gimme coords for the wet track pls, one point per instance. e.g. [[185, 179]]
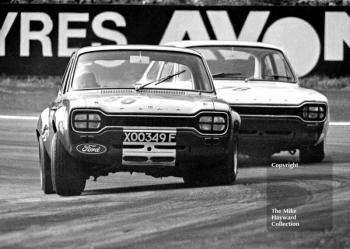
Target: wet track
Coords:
[[137, 211]]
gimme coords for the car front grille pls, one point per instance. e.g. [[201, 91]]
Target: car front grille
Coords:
[[262, 110], [276, 111], [145, 120], [150, 121]]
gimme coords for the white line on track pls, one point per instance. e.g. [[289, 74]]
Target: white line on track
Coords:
[[339, 123], [18, 117], [13, 117]]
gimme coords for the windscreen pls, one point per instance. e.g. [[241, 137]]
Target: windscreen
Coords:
[[247, 63], [141, 69]]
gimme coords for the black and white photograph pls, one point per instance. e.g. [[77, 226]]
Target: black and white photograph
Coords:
[[177, 124]]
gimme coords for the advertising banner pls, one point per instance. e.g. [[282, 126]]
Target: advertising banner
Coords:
[[38, 39]]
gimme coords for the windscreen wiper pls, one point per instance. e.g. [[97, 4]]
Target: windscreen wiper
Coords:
[[276, 76], [159, 81], [226, 75]]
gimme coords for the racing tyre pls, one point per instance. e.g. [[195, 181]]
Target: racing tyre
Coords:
[[223, 174], [191, 179], [67, 176], [312, 153], [45, 169], [227, 173]]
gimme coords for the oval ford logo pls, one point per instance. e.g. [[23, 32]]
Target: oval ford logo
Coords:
[[91, 148]]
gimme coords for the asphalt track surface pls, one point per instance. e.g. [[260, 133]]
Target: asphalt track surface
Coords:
[[138, 211]]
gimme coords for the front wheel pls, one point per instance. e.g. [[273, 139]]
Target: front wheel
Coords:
[[223, 174], [67, 176], [312, 153], [45, 169], [229, 170]]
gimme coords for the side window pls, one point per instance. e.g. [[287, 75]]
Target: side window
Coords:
[[281, 66], [267, 68], [66, 75]]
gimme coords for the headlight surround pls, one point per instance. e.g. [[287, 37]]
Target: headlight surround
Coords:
[[86, 121], [314, 112], [212, 123]]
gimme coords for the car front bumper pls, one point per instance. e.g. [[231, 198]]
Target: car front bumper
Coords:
[[272, 134], [191, 149]]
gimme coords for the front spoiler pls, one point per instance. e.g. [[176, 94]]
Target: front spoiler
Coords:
[[278, 134]]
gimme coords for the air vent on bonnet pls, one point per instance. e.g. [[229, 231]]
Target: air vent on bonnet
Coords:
[[114, 91], [151, 91], [240, 89], [170, 92]]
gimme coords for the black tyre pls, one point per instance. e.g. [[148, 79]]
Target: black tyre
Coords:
[[312, 154], [45, 169], [223, 174], [67, 176], [227, 173], [191, 178]]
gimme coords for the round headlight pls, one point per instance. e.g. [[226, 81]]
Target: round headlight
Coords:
[[86, 121], [313, 112], [212, 123]]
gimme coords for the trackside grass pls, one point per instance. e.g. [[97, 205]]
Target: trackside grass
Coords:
[[28, 82], [31, 94], [325, 83]]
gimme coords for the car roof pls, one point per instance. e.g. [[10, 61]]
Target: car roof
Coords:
[[136, 47], [192, 43]]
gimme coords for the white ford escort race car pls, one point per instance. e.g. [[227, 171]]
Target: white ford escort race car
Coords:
[[114, 114], [258, 82]]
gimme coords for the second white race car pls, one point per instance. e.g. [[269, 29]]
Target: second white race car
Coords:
[[258, 82]]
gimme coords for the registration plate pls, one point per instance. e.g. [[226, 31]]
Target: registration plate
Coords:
[[149, 137]]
